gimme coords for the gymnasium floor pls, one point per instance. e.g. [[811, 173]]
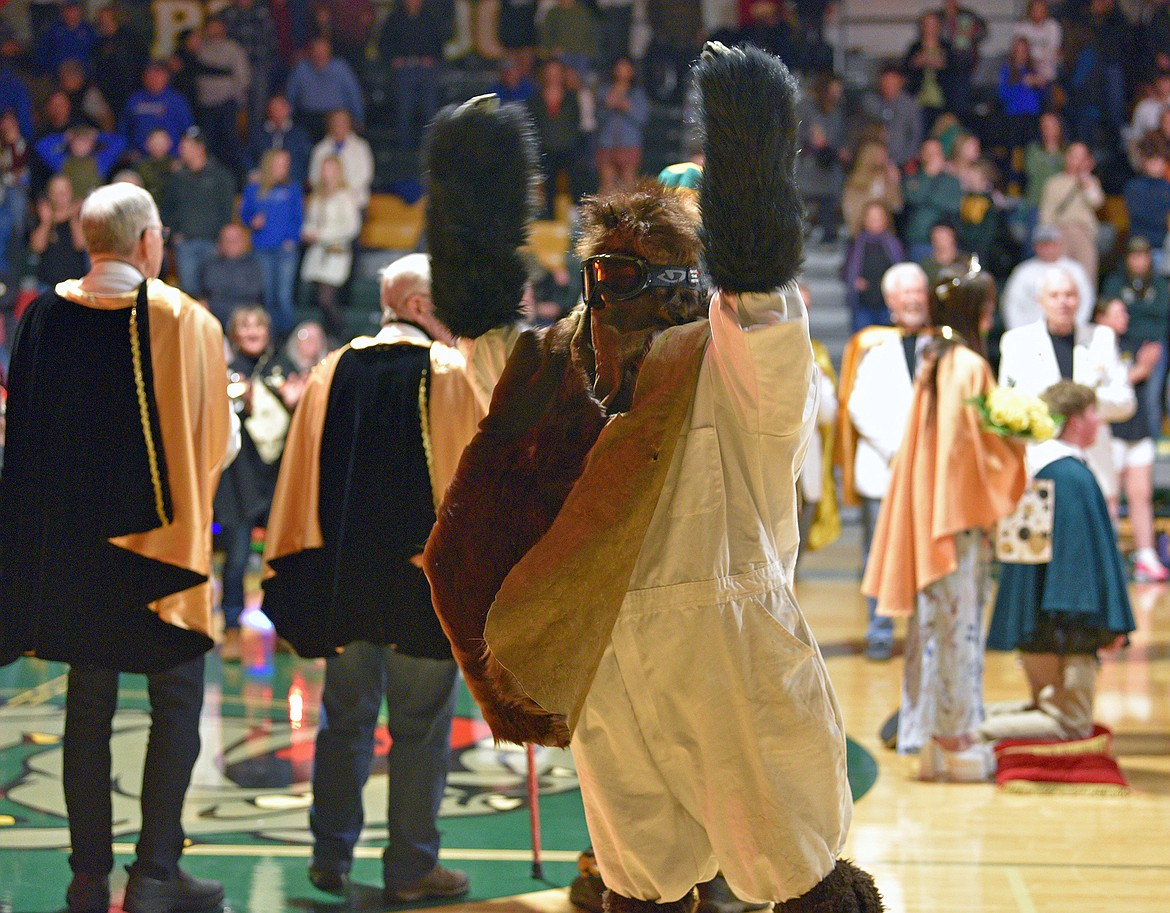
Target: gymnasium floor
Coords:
[[934, 848]]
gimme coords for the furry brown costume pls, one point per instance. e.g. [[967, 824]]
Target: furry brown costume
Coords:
[[532, 447]]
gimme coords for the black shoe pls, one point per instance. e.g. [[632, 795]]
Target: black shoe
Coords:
[[331, 881], [181, 893], [88, 893]]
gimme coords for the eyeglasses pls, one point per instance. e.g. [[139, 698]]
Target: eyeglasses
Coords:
[[619, 278], [163, 231]]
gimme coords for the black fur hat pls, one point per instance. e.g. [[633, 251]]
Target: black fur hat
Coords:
[[752, 214], [481, 164]]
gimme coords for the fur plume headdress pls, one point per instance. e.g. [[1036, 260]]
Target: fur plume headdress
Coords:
[[752, 214], [481, 163]]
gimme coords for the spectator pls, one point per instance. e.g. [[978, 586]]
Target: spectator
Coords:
[[58, 115], [273, 207], [1114, 40], [570, 33], [155, 105], [246, 486], [930, 194], [220, 91], [820, 168], [944, 250], [57, 240], [980, 218], [85, 97], [1043, 35], [1133, 439], [951, 482], [1042, 159], [279, 131], [556, 114], [896, 113], [877, 386], [1035, 356], [676, 27], [200, 200], [1147, 200], [1081, 90], [617, 16], [930, 69], [306, 348], [14, 93], [1070, 201], [870, 255], [1147, 113], [321, 83], [231, 278], [357, 159], [332, 222], [157, 166], [69, 38], [1060, 613], [1021, 294], [1021, 96], [1146, 296], [83, 154], [964, 30], [348, 24], [874, 178], [514, 86], [621, 120], [119, 58], [411, 46], [518, 26], [14, 177], [820, 521], [250, 25]]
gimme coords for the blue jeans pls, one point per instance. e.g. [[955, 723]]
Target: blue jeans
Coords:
[[279, 267], [416, 99], [879, 629], [420, 702], [190, 255], [237, 550]]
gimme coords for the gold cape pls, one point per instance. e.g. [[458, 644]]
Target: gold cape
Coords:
[[860, 343], [294, 523], [190, 389], [949, 476], [826, 524]]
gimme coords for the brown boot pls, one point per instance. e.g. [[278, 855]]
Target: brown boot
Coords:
[[846, 889]]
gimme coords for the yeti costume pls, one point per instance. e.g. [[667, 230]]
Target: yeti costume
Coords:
[[613, 561]]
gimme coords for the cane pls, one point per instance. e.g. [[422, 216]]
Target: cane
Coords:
[[534, 812]]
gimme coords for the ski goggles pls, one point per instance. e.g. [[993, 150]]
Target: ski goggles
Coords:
[[620, 278]]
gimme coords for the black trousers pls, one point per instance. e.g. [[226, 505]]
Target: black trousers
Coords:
[[176, 698]]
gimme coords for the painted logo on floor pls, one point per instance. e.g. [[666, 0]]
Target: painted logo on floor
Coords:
[[253, 776]]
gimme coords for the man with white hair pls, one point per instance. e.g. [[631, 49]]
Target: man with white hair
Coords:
[[1020, 301], [373, 444], [118, 428], [1059, 346], [875, 406]]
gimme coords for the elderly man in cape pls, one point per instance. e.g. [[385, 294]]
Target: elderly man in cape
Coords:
[[635, 596], [118, 428]]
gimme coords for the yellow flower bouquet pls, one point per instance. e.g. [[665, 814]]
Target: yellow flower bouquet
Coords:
[[1010, 412]]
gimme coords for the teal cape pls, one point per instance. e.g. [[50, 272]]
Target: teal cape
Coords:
[[1084, 585]]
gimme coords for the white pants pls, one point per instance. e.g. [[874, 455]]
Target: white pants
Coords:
[[711, 740]]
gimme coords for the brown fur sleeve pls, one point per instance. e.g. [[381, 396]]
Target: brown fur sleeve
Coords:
[[511, 482]]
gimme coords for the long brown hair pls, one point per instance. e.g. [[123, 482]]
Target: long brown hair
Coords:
[[959, 301]]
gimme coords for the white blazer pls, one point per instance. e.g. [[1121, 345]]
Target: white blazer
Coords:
[[1028, 361], [879, 407]]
